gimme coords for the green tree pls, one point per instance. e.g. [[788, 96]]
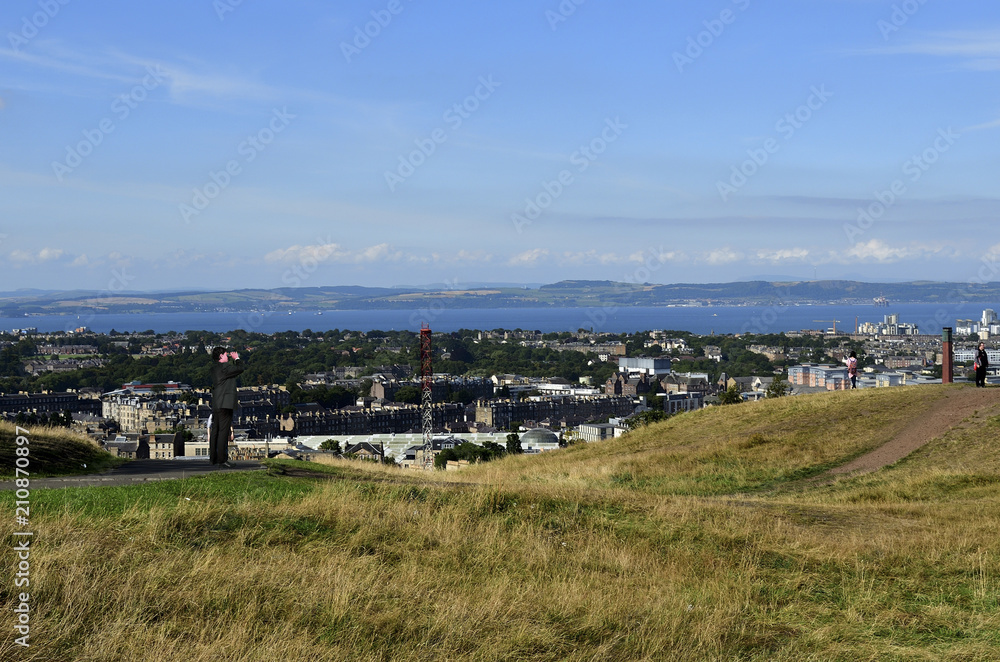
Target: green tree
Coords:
[[569, 438], [645, 418], [514, 444], [330, 445], [469, 452], [777, 388], [731, 396], [410, 394]]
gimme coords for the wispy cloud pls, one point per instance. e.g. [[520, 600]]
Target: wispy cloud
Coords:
[[994, 124], [74, 64], [878, 251], [977, 45], [529, 257], [19, 256], [784, 255], [333, 253], [185, 84], [723, 256]]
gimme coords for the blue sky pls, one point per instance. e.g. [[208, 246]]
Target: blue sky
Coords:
[[229, 144]]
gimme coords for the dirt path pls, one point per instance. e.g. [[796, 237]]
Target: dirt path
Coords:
[[948, 412]]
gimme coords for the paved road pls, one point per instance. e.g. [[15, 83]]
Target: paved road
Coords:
[[139, 471]]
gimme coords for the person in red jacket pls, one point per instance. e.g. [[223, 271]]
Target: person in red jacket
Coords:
[[225, 368]]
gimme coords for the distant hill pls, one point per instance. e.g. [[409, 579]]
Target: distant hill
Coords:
[[567, 293]]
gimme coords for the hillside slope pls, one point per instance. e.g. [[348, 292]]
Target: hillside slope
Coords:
[[760, 445], [701, 538]]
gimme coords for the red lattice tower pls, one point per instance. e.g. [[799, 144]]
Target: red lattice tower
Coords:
[[426, 384]]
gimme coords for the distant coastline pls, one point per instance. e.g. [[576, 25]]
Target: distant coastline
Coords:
[[565, 294], [929, 318]]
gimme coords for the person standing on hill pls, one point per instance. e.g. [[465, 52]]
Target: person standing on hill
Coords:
[[852, 369], [225, 367], [982, 362]]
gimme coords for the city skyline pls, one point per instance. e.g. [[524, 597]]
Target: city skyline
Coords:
[[221, 144]]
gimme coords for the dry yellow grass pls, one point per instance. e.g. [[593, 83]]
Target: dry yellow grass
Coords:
[[626, 550]]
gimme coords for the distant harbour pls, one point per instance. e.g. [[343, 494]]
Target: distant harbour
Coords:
[[704, 320]]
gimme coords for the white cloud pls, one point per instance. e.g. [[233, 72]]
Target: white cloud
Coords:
[[20, 256], [379, 253], [979, 50], [879, 251], [334, 253], [44, 255], [654, 255], [723, 256], [992, 124], [590, 257], [473, 256], [783, 254], [296, 253], [530, 257], [965, 43], [183, 85], [47, 254]]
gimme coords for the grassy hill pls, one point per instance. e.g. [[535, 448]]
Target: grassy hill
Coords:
[[52, 452], [701, 538]]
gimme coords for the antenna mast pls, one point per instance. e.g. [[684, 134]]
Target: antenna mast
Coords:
[[426, 383]]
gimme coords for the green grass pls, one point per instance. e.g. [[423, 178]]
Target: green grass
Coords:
[[224, 489], [676, 542]]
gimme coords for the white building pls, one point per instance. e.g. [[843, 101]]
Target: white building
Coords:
[[644, 366], [890, 326], [968, 354]]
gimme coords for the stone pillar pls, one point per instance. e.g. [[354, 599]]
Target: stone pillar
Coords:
[[947, 357]]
